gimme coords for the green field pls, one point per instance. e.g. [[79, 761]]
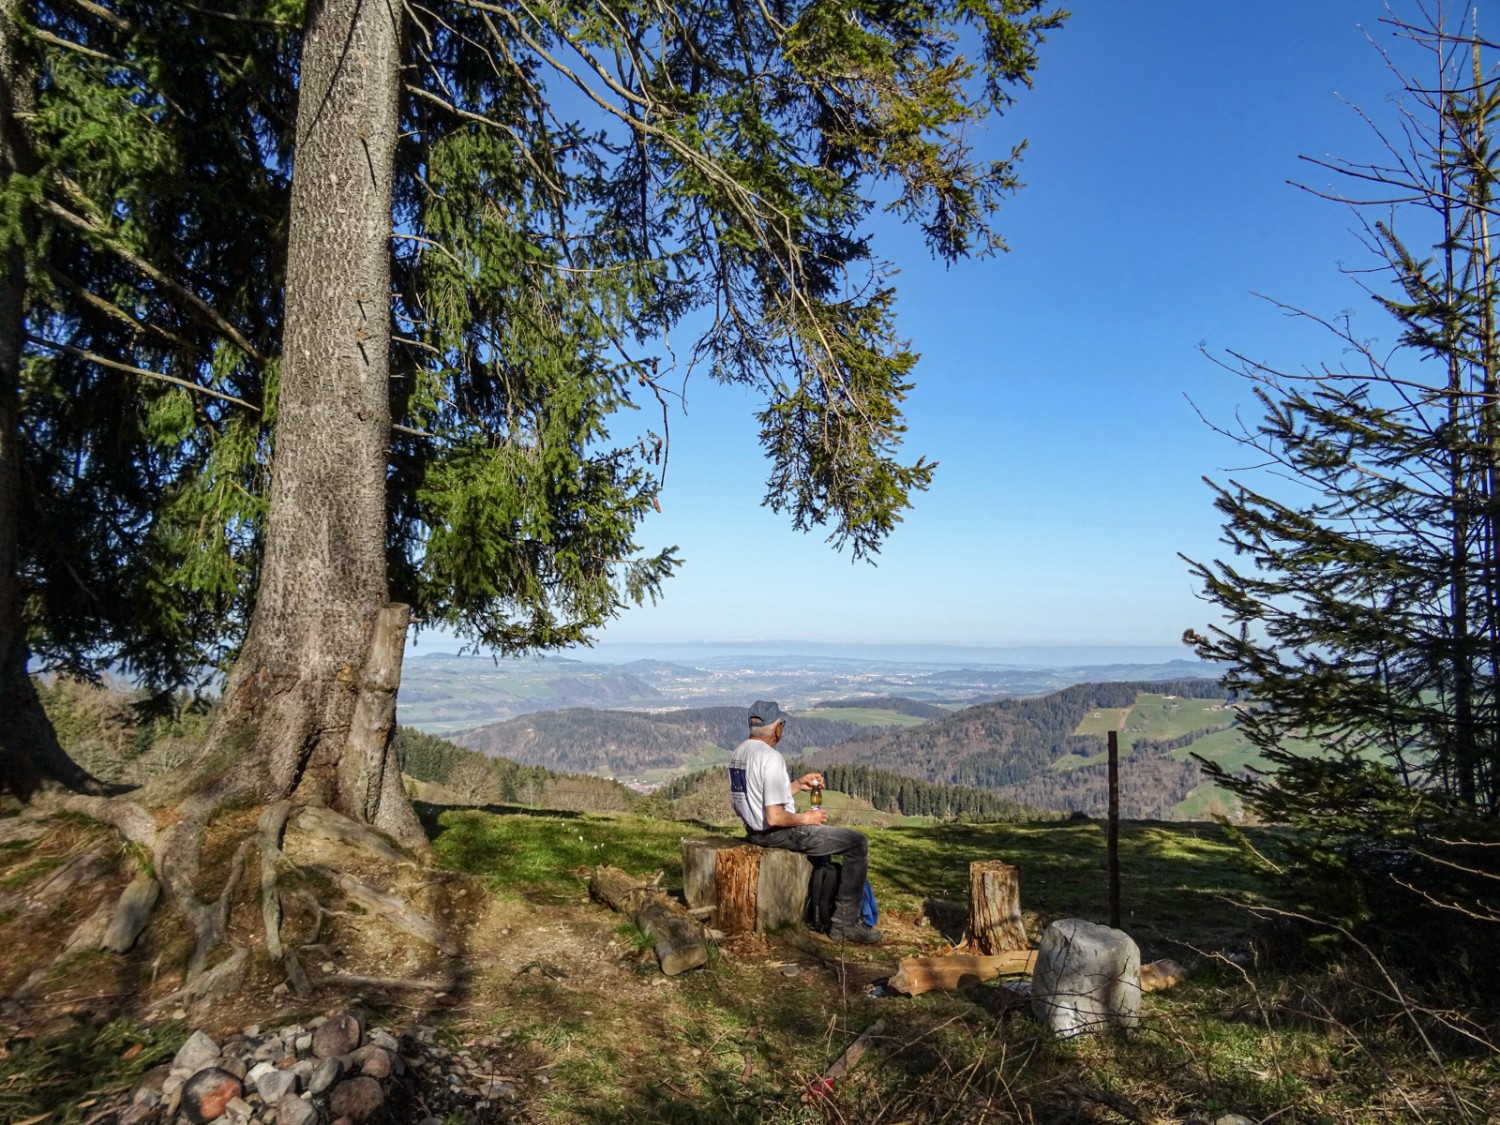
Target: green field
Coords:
[[1160, 717]]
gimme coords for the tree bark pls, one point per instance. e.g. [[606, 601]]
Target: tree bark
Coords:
[[293, 723], [31, 758], [736, 877], [994, 909]]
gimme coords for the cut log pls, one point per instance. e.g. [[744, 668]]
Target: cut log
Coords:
[[679, 946], [752, 888], [1161, 974], [957, 970], [994, 909]]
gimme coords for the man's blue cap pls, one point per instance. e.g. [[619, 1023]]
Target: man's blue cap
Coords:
[[763, 713]]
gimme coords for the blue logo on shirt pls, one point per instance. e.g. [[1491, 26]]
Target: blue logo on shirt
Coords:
[[736, 780]]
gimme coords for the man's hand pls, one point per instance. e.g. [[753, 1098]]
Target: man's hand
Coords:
[[778, 817], [806, 782]]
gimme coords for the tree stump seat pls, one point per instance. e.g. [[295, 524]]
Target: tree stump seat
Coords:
[[750, 888]]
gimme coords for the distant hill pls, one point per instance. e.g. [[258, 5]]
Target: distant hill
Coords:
[[442, 693], [1046, 752], [631, 744]]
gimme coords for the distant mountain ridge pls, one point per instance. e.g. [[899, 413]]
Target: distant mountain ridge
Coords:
[[442, 693]]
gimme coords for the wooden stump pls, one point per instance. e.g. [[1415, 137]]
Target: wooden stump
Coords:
[[736, 876], [994, 909], [752, 888]]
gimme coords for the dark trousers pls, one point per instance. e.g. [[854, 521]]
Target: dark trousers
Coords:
[[821, 840]]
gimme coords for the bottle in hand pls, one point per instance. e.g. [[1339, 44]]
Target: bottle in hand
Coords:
[[816, 797]]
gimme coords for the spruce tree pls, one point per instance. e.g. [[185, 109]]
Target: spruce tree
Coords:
[[1362, 599]]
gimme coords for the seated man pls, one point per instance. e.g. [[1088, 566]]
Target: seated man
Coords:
[[762, 792]]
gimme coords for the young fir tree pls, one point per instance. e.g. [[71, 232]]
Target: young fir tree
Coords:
[[1362, 602]]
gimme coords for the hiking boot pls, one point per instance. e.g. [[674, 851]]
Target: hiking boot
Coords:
[[858, 933]]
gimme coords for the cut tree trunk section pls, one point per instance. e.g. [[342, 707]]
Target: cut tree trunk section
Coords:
[[957, 970], [994, 909], [748, 888], [679, 946]]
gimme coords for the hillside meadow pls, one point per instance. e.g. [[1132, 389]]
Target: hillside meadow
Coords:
[[596, 1034]]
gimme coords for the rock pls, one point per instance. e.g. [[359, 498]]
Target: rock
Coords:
[[327, 1073], [273, 1048], [1233, 1119], [383, 1038], [292, 1110], [236, 1066], [208, 1093], [196, 1053], [372, 1061], [340, 1034], [1087, 978], [131, 914], [278, 1082], [148, 1087], [356, 1098]]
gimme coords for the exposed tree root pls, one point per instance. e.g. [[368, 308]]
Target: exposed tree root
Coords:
[[368, 912]]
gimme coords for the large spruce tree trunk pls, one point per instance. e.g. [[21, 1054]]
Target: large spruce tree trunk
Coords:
[[313, 648], [30, 757]]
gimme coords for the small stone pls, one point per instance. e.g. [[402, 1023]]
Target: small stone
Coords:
[[792, 971], [196, 1053], [273, 1085], [235, 1066], [292, 1110], [340, 1035], [207, 1093], [1232, 1119], [256, 1073], [327, 1073], [135, 1114], [383, 1038], [148, 1087], [239, 1107], [304, 1043], [250, 1032], [372, 1061], [271, 1049], [356, 1098]]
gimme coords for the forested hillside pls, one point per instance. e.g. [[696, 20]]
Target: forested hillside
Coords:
[[1030, 749], [630, 743]]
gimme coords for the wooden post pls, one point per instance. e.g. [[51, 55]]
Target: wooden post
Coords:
[[1112, 853], [994, 909], [736, 877]]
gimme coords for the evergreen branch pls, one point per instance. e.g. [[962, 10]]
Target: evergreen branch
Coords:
[[112, 20], [45, 36], [108, 308], [479, 118], [196, 304], [104, 361]]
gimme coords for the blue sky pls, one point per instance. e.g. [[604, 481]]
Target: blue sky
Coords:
[[1053, 379]]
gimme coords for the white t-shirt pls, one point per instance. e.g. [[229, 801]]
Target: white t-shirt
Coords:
[[757, 778]]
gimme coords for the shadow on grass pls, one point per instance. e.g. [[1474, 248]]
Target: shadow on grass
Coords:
[[1178, 882]]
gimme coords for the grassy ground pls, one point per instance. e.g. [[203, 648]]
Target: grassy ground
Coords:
[[740, 1040], [599, 1036]]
